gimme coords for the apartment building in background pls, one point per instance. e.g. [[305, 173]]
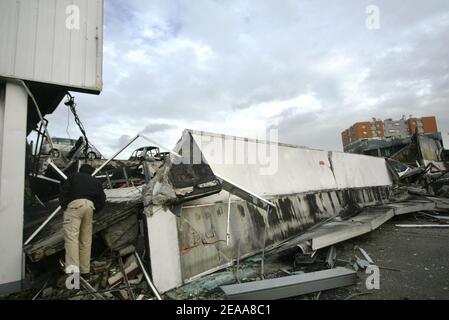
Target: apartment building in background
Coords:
[[384, 138]]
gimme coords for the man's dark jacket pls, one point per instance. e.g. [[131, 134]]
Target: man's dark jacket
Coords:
[[82, 186]]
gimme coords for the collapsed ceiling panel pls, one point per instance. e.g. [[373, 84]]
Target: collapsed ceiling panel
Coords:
[[301, 187]]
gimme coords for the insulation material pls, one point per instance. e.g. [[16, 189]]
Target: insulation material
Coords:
[[159, 190]]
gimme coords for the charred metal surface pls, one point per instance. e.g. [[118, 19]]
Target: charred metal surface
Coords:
[[191, 169], [421, 148], [182, 179], [294, 214], [186, 175], [198, 177]]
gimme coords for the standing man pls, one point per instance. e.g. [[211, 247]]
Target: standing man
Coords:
[[81, 195]]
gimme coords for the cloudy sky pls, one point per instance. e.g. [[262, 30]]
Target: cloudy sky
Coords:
[[309, 68]]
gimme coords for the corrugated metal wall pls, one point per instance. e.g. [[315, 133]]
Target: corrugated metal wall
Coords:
[[36, 43]]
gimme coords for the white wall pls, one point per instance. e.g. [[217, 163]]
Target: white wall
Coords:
[[164, 249], [299, 170], [12, 176], [356, 171], [296, 169], [35, 43]]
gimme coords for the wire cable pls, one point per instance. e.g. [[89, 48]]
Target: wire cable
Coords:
[[72, 106]]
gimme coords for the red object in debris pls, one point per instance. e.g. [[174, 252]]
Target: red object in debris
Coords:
[[185, 249]]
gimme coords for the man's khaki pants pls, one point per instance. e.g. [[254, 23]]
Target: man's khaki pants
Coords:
[[78, 235]]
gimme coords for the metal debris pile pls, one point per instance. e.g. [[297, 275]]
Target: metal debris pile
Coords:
[[277, 265], [118, 274]]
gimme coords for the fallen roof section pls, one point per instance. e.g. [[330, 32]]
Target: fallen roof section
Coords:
[[291, 286], [301, 187], [368, 220], [270, 168]]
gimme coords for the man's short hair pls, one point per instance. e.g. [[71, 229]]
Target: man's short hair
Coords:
[[86, 168]]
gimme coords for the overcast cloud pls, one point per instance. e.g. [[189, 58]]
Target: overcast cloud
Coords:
[[308, 68]]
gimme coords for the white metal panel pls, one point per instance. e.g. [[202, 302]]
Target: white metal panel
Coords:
[[62, 46], [36, 45], [94, 47], [297, 169], [8, 31], [12, 180], [45, 42], [26, 39], [77, 75], [358, 171], [164, 249]]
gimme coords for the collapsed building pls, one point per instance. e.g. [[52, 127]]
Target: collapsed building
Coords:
[[216, 200], [335, 195], [200, 208], [384, 138], [43, 57]]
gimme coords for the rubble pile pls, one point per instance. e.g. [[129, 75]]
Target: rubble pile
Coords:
[[172, 234]]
